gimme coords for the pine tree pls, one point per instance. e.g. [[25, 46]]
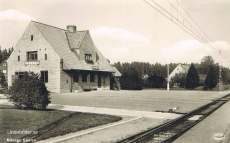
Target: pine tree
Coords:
[[192, 78], [211, 79]]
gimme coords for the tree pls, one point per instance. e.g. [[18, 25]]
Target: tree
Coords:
[[3, 80], [29, 92], [179, 79], [192, 78], [211, 79], [130, 80], [204, 64], [156, 81]]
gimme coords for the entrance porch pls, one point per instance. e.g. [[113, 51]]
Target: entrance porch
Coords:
[[86, 80]]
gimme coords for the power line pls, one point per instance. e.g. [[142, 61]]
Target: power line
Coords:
[[184, 18], [186, 28], [191, 18], [200, 39], [197, 24]]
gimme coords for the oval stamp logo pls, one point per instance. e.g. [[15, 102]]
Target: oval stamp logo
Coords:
[[218, 136]]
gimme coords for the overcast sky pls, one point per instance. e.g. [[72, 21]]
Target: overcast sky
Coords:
[[129, 30]]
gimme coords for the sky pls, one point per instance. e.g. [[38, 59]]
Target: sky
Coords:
[[131, 30]]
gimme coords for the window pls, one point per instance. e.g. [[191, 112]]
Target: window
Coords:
[[92, 77], [18, 58], [32, 38], [45, 56], [88, 58], [84, 77], [20, 74], [44, 76], [75, 77], [32, 56]]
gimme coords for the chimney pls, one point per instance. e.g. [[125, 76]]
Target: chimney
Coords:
[[71, 28]]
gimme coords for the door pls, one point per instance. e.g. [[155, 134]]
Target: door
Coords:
[[99, 80]]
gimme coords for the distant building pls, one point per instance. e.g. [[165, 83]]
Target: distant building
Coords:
[[3, 68], [145, 76], [180, 69], [67, 60]]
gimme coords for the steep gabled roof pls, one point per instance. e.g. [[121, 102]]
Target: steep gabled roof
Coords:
[[75, 39], [180, 68], [117, 73], [185, 67], [3, 62], [63, 41]]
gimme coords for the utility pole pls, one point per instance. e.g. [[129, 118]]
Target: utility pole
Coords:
[[168, 77], [220, 81], [167, 73]]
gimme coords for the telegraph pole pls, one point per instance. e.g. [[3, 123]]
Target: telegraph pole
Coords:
[[220, 81], [168, 72], [168, 77]]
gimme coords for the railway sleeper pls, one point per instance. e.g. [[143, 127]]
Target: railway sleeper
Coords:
[[175, 128]]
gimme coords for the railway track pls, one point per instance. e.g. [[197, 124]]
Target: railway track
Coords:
[[170, 131]]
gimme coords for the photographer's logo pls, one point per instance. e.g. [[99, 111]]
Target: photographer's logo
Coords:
[[218, 136]]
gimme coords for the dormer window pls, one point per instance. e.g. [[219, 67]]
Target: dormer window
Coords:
[[88, 58], [32, 56]]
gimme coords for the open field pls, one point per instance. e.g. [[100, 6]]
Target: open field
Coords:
[[36, 121], [145, 100]]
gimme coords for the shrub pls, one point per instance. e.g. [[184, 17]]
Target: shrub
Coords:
[[131, 80], [29, 92], [155, 81], [3, 80], [179, 79], [165, 84]]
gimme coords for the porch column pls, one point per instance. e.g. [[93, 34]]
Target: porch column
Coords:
[[80, 78], [96, 78], [88, 78]]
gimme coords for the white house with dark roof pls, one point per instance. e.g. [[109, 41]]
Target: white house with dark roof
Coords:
[[67, 60], [180, 69]]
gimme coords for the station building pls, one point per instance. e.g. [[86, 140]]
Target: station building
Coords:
[[66, 59]]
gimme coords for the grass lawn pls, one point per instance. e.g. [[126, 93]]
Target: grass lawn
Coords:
[[47, 123]]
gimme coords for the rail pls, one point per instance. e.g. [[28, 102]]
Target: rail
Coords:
[[169, 131]]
